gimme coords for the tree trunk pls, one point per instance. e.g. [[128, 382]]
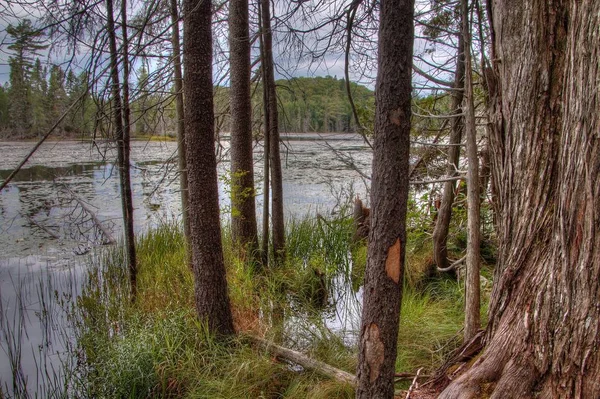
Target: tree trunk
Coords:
[[212, 301], [275, 157], [389, 194], [266, 152], [243, 208], [543, 332], [442, 225], [472, 289], [121, 120], [180, 116]]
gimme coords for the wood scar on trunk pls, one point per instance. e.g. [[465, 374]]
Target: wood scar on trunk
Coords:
[[392, 262], [395, 116], [374, 350]]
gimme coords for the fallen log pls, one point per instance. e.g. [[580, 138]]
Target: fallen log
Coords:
[[306, 362]]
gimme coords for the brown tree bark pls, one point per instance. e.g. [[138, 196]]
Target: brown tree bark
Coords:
[[472, 285], [277, 216], [180, 116], [243, 208], [121, 121], [444, 214], [212, 301], [543, 332], [389, 194]]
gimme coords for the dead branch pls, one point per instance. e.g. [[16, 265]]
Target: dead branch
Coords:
[[108, 238], [304, 361], [414, 384], [453, 265]]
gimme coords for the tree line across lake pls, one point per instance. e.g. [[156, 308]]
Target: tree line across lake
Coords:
[[38, 94]]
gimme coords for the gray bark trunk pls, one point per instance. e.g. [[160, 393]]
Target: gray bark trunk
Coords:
[[266, 153], [180, 116], [444, 215], [472, 285], [389, 194], [275, 157], [121, 121]]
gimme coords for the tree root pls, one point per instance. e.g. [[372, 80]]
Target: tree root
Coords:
[[497, 375]]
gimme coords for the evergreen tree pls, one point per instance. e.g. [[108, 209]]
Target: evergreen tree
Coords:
[[38, 98], [27, 43], [3, 108], [57, 94]]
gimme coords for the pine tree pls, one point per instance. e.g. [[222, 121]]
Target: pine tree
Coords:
[[27, 43]]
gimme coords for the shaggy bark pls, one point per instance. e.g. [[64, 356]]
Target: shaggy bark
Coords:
[[543, 333], [389, 193], [212, 301], [243, 213]]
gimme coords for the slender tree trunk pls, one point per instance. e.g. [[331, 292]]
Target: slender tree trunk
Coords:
[[243, 208], [543, 331], [179, 112], [389, 195], [266, 155], [121, 120], [275, 157], [212, 301], [444, 215], [472, 289]]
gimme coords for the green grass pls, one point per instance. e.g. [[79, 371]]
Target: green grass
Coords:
[[157, 348]]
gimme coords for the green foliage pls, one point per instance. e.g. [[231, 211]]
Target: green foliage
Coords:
[[321, 104], [4, 107], [318, 104]]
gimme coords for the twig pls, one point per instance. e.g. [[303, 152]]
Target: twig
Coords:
[[437, 181], [43, 228], [414, 384]]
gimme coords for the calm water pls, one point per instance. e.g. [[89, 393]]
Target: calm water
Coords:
[[46, 226]]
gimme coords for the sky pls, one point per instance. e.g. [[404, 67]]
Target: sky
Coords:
[[331, 63]]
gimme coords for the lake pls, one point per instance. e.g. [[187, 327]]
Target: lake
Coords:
[[49, 217]]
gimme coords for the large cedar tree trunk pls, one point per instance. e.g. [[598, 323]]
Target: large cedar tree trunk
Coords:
[[212, 301], [544, 332], [243, 213], [389, 193]]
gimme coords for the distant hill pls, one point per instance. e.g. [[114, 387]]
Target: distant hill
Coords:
[[309, 105], [320, 104]]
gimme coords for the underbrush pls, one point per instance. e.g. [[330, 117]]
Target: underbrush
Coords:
[[156, 347]]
